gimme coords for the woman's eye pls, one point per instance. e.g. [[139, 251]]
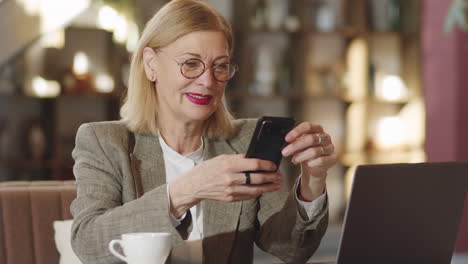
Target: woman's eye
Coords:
[[222, 67], [192, 64]]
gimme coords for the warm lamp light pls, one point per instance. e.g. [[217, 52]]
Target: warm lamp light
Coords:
[[45, 89], [80, 63], [54, 39], [104, 83], [390, 87], [57, 13], [120, 29], [133, 37], [53, 14], [390, 133], [107, 18]]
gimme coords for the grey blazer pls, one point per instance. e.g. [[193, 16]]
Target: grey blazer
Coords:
[[106, 204]]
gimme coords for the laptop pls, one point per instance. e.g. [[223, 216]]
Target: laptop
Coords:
[[404, 213]]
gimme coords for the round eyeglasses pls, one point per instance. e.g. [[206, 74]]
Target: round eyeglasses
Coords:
[[194, 68]]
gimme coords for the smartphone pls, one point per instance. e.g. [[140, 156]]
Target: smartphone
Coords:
[[268, 139]]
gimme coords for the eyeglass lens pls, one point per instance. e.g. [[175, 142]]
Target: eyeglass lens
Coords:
[[193, 68]]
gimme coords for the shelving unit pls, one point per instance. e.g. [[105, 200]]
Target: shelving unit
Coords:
[[38, 133], [343, 67]]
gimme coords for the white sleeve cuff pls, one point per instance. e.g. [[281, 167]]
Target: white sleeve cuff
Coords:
[[312, 209]]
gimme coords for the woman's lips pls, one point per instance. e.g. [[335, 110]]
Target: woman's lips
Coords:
[[199, 99]]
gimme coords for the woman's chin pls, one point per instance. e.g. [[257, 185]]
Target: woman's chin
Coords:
[[199, 116]]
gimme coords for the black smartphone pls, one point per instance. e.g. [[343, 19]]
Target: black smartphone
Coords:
[[268, 139]]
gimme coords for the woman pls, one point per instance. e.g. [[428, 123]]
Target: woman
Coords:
[[187, 154]]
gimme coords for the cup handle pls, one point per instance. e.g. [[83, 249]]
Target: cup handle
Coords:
[[114, 252]]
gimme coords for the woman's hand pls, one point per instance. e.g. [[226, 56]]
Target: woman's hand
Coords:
[[311, 147], [222, 179]]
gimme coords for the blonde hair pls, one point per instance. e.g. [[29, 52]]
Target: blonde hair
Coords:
[[174, 20]]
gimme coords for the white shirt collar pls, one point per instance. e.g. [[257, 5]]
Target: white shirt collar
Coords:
[[174, 156]]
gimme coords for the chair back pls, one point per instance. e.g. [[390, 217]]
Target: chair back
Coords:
[[27, 212]]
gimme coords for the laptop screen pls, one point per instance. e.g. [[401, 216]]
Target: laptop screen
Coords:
[[404, 213]]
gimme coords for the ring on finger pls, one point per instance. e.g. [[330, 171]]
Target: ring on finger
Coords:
[[247, 177], [321, 140]]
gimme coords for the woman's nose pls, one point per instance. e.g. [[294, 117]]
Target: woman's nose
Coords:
[[206, 78]]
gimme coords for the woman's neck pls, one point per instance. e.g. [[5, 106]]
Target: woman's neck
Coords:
[[182, 138]]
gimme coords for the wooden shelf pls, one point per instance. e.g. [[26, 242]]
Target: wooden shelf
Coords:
[[375, 100], [346, 32]]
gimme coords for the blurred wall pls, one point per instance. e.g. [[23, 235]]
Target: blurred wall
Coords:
[[445, 78], [445, 82]]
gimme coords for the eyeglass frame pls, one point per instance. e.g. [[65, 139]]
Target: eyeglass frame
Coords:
[[236, 68]]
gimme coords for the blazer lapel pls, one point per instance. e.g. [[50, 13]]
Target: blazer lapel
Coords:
[[149, 161], [220, 219]]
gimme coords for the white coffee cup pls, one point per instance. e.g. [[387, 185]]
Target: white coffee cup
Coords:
[[143, 248]]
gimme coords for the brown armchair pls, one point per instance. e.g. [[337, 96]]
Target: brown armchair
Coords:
[[27, 212]]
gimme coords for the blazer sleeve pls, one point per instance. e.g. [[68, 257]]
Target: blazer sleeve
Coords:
[[283, 232], [99, 212]]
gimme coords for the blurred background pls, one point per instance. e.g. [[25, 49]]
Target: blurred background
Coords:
[[386, 78]]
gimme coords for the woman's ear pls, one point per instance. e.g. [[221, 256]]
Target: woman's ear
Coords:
[[149, 59]]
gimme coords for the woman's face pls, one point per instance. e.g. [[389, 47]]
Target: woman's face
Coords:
[[190, 100]]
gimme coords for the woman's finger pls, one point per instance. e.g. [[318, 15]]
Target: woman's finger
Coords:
[[301, 143], [239, 164], [313, 153], [251, 164], [310, 153], [301, 129], [305, 142], [260, 178]]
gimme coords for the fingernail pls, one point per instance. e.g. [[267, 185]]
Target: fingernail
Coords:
[[285, 152]]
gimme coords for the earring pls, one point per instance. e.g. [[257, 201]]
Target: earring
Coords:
[[152, 78]]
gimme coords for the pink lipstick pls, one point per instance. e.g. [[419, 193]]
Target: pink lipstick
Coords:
[[199, 99]]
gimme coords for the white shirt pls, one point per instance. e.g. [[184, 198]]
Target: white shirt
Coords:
[[176, 165]]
